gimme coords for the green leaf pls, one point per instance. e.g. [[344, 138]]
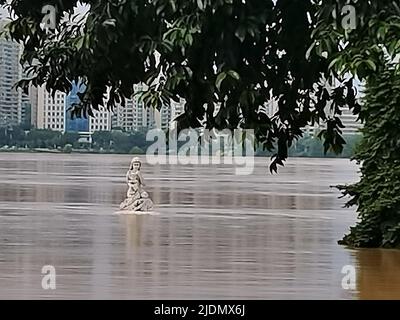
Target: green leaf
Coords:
[[309, 50], [160, 9], [110, 22], [189, 39], [201, 5], [382, 32], [371, 64], [79, 43], [334, 63], [221, 77], [241, 33], [234, 74]]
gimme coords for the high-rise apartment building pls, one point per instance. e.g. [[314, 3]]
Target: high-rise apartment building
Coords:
[[33, 98], [135, 116], [101, 121], [15, 106], [26, 111], [52, 113], [10, 73]]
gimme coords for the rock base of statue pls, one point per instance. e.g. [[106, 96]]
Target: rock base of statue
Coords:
[[137, 213], [137, 202]]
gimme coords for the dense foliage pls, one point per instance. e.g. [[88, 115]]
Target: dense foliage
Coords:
[[377, 194], [371, 52], [239, 54]]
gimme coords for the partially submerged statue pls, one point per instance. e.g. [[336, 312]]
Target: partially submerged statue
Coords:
[[137, 199]]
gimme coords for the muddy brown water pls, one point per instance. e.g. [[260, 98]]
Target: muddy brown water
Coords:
[[214, 234]]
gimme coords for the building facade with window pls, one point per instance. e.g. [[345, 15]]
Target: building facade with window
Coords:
[[10, 73]]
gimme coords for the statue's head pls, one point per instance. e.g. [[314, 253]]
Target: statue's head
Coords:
[[136, 163]]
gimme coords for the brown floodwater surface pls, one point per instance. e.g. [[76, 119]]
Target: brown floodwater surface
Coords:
[[213, 234]]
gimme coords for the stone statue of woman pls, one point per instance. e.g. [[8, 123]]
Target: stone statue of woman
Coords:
[[137, 199]]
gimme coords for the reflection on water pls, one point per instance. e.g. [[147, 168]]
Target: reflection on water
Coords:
[[378, 275], [215, 235]]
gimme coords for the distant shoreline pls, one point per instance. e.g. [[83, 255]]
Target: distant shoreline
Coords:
[[52, 151]]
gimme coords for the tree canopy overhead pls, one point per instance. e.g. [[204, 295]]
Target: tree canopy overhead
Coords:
[[239, 54]]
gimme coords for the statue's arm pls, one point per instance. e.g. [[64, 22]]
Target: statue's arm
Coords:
[[127, 177], [141, 179]]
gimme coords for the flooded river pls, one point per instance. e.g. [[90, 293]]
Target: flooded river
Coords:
[[214, 234]]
